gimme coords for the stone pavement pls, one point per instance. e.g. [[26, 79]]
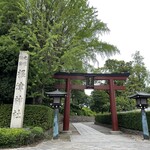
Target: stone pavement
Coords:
[[93, 139]]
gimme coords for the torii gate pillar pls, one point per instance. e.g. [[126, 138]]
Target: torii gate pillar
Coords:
[[67, 106], [113, 106]]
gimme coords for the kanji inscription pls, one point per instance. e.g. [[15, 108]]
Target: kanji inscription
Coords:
[[20, 91]]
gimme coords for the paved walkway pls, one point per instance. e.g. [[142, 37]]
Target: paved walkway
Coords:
[[91, 139]]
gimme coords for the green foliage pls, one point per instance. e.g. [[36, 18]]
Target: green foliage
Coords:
[[8, 15], [124, 104], [80, 111], [76, 110], [11, 137], [37, 133], [41, 116], [100, 101], [104, 118], [60, 36], [5, 115], [8, 65], [79, 97], [139, 78], [14, 137], [116, 66], [88, 112], [129, 120]]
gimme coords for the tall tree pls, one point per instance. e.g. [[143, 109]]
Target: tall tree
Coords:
[[116, 66], [8, 15], [60, 36], [138, 80], [100, 101], [80, 98], [8, 64]]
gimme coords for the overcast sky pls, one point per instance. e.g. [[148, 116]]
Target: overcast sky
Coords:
[[129, 24]]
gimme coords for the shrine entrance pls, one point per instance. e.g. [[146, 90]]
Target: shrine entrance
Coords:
[[89, 78]]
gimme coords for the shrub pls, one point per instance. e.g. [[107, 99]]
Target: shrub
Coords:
[[81, 111], [103, 118], [129, 120], [5, 115], [35, 115], [88, 112], [12, 137], [37, 133], [76, 110]]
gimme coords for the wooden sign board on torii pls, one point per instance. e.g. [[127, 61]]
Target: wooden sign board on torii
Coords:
[[89, 79]]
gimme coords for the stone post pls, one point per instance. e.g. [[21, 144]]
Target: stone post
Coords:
[[20, 91], [56, 125], [144, 124]]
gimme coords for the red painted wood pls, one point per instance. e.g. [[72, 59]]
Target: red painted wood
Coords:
[[67, 106], [84, 78], [71, 77], [113, 106], [96, 87], [81, 76]]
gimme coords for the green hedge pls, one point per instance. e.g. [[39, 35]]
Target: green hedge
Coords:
[[35, 115], [129, 120], [103, 118], [5, 115], [10, 137]]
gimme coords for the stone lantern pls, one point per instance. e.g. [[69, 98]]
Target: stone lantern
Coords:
[[56, 95], [142, 103]]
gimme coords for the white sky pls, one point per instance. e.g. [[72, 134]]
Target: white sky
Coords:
[[129, 24]]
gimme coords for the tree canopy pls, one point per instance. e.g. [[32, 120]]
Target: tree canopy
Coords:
[[137, 81], [60, 36]]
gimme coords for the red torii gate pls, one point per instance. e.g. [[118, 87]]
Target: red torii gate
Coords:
[[89, 77]]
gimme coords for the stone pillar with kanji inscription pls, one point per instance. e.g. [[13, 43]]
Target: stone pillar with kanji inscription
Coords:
[[20, 91]]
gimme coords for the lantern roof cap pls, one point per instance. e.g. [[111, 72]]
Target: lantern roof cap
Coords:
[[56, 93], [140, 95]]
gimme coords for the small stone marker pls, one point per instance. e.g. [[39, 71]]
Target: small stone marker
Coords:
[[20, 91]]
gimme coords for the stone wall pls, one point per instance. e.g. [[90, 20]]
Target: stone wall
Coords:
[[82, 119]]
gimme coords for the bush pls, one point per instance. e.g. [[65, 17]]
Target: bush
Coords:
[[88, 112], [37, 133], [35, 115], [81, 111], [76, 110], [129, 120], [11, 137], [14, 137], [103, 118], [5, 116]]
